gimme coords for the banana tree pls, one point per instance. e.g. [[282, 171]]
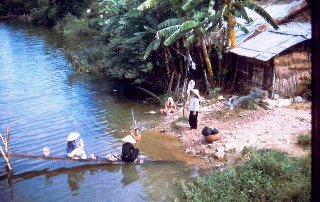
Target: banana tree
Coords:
[[194, 29], [236, 8]]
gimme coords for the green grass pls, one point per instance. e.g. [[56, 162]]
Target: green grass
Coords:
[[304, 139], [268, 176]]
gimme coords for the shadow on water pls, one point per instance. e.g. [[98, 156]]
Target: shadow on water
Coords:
[[42, 100]]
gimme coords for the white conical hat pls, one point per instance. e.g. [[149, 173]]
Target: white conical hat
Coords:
[[73, 136], [196, 92], [129, 139]]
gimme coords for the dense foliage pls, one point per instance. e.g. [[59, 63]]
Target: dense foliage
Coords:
[[155, 45], [268, 176]]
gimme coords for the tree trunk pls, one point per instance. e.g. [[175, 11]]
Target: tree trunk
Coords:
[[179, 57], [208, 62], [231, 33], [166, 62]]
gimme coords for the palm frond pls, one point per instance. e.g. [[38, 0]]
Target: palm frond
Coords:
[[148, 4], [216, 18], [141, 33], [188, 25], [190, 40], [166, 32], [109, 23], [262, 13], [170, 22], [190, 4], [240, 10], [152, 20], [175, 36], [242, 28], [149, 29], [134, 39], [151, 47]]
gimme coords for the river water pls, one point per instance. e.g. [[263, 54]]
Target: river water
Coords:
[[42, 100]]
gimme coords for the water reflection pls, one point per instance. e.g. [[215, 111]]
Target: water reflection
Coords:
[[42, 100], [130, 174], [74, 179]]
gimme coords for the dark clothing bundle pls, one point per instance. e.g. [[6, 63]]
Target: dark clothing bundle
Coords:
[[206, 131], [193, 120], [129, 153]]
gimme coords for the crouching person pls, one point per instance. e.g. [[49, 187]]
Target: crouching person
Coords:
[[75, 146], [129, 152]]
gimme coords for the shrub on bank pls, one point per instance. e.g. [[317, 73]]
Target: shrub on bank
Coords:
[[268, 176], [304, 139], [71, 24]]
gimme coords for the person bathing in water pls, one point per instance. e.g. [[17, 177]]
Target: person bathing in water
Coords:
[[136, 134], [75, 146], [169, 107], [129, 152]]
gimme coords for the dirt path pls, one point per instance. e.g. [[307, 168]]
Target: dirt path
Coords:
[[277, 128]]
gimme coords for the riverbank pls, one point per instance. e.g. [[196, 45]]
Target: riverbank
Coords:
[[277, 128]]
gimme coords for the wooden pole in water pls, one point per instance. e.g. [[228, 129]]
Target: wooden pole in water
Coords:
[[6, 146], [4, 142], [6, 159], [7, 139]]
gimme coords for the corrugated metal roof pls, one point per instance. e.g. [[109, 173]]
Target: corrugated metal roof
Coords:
[[272, 42], [276, 11]]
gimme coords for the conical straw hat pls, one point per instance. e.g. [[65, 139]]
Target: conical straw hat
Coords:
[[196, 92], [129, 139], [73, 136]]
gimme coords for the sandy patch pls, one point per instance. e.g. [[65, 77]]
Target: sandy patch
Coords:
[[277, 128]]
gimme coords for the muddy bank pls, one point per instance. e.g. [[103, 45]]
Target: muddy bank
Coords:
[[277, 128]]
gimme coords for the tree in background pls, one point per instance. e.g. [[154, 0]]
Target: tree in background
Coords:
[[205, 23]]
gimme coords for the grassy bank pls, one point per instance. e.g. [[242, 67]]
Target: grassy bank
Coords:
[[267, 176]]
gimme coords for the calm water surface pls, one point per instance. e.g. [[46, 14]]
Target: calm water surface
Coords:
[[42, 100]]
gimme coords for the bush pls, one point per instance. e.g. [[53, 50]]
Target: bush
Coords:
[[73, 25], [269, 176], [40, 15], [249, 104], [304, 139]]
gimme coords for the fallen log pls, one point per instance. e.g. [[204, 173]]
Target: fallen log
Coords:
[[95, 161]]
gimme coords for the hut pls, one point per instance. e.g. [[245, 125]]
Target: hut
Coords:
[[278, 61]]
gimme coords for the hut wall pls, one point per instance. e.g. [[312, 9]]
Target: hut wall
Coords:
[[292, 69], [252, 72]]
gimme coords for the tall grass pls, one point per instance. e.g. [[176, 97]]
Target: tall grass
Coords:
[[269, 176]]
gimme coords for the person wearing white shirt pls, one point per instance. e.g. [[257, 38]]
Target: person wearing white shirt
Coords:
[[194, 108]]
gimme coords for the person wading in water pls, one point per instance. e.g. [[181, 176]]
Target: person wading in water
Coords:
[[75, 146], [169, 107]]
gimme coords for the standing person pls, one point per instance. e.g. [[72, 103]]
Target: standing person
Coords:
[[191, 85], [194, 108]]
